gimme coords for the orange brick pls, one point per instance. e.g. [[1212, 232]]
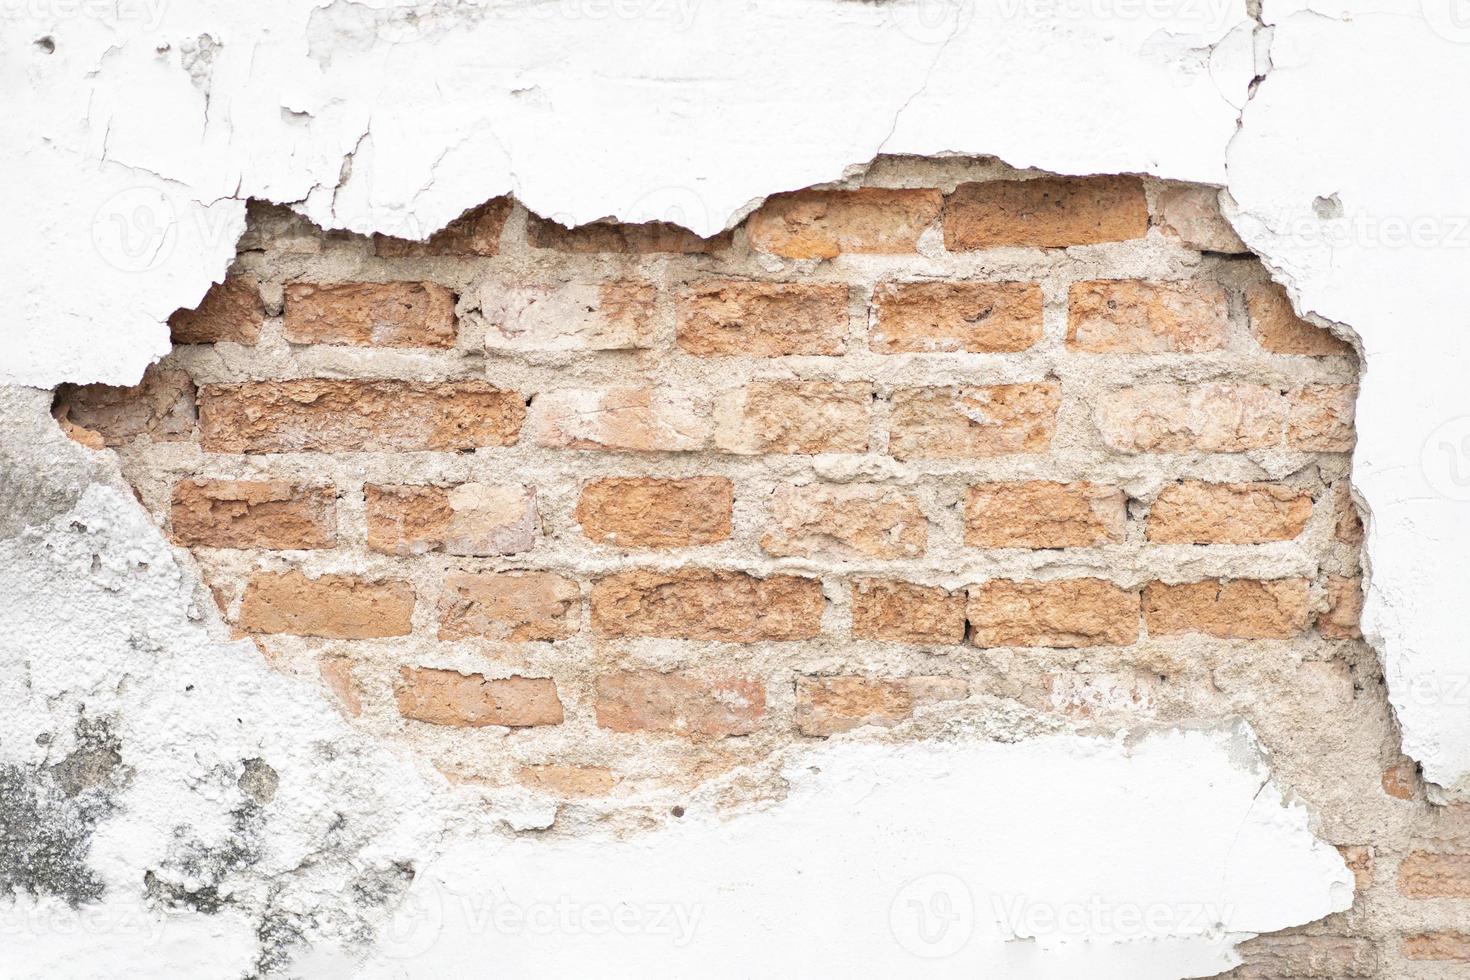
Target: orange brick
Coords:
[[643, 512], [1340, 621], [699, 604], [337, 607], [728, 317], [1126, 316], [1321, 418], [447, 697], [476, 233], [1213, 418], [1277, 328], [1047, 212], [161, 407], [830, 705], [1247, 609], [902, 612], [468, 519], [559, 779], [796, 417], [1081, 612], [271, 514], [1432, 874], [1399, 781], [1359, 861], [825, 224], [606, 236], [634, 419], [1440, 947], [973, 422], [1191, 214], [513, 606], [370, 314], [1194, 512], [1040, 514], [231, 311], [841, 522], [356, 416], [679, 703], [571, 316], [940, 316]]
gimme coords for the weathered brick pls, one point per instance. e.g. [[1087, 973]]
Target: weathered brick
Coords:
[[1399, 781], [1082, 612], [370, 314], [322, 415], [644, 512], [606, 236], [1041, 514], [1345, 609], [560, 779], [476, 233], [902, 612], [1348, 526], [468, 519], [1047, 212], [161, 406], [1248, 609], [973, 422], [634, 419], [1086, 694], [340, 677], [1359, 861], [1128, 316], [1195, 512], [1298, 957], [1277, 328], [1213, 418], [1435, 874], [830, 705], [939, 316], [583, 315], [337, 607], [1191, 214], [513, 606], [1440, 947], [271, 514], [825, 224], [846, 521], [679, 703], [796, 417], [231, 311], [1321, 418], [700, 604], [448, 697], [728, 317]]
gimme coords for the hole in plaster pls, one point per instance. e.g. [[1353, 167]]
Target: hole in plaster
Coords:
[[46, 44], [1329, 207]]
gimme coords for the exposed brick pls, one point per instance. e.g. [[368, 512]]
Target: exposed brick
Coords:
[[1277, 328], [797, 417], [1081, 612], [1248, 609], [829, 705], [1299, 957], [1087, 694], [513, 606], [370, 314], [1212, 418], [583, 315], [1348, 527], [679, 703], [476, 233], [1359, 861], [644, 512], [699, 604], [1345, 598], [231, 311], [1321, 418], [1194, 512], [902, 612], [1048, 212], [272, 514], [941, 316], [635, 419], [1041, 514], [468, 519], [1399, 781], [161, 407], [447, 697], [973, 422], [728, 317], [1440, 947], [1432, 874], [605, 236], [1191, 214], [317, 414], [1128, 316], [840, 522], [558, 779], [337, 607], [338, 675], [825, 224]]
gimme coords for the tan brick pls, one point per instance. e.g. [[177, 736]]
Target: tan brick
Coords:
[[1128, 316], [231, 311], [476, 233], [1087, 694], [1340, 621], [902, 612], [1041, 514], [1248, 609], [558, 779], [679, 703], [796, 417], [1047, 212], [973, 422], [830, 705], [1359, 860], [1212, 418], [271, 514], [729, 317], [1432, 874], [1277, 328], [1440, 947], [339, 676], [825, 224], [644, 512], [1194, 512], [370, 314], [321, 415], [1298, 957], [513, 606], [1191, 214], [699, 604], [634, 419], [1321, 418], [161, 406], [448, 697], [1399, 781], [846, 521], [338, 607], [605, 236], [469, 519], [1081, 612], [974, 317], [583, 315]]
